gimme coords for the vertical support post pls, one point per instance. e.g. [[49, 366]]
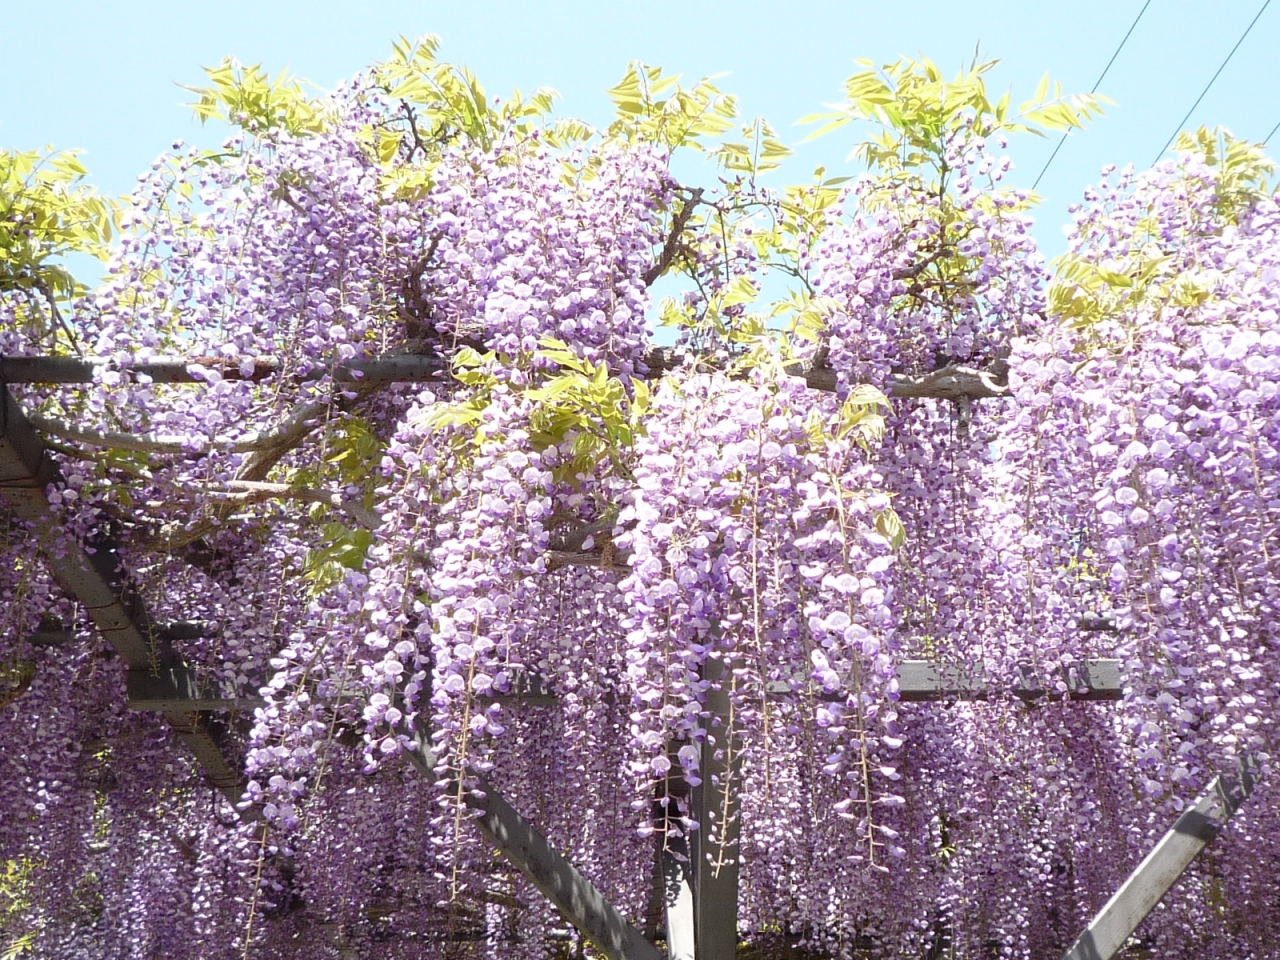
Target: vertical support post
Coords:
[[715, 862], [678, 899]]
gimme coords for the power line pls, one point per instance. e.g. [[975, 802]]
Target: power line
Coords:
[[1260, 12], [1101, 77], [1271, 134]]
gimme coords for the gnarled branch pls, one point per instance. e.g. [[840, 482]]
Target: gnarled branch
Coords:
[[672, 246]]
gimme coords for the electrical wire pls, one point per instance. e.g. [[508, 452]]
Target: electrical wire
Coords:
[[1101, 77], [1260, 12], [1271, 134]]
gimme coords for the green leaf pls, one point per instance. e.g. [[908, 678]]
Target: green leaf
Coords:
[[246, 97], [741, 290], [19, 945], [919, 114], [889, 525]]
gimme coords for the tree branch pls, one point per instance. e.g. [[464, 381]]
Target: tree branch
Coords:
[[672, 246], [952, 382], [249, 491], [264, 446], [143, 444]]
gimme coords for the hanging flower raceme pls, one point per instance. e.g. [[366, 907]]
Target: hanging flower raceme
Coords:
[[752, 542], [1148, 464]]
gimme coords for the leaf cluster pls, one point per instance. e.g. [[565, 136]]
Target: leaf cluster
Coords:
[[758, 152], [47, 211], [443, 103], [1240, 168], [861, 417], [15, 900], [920, 113], [1085, 291], [586, 406], [352, 454], [653, 108], [247, 97], [574, 401], [448, 100]]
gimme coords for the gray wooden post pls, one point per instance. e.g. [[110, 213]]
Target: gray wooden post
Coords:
[[715, 891], [679, 899], [1156, 874]]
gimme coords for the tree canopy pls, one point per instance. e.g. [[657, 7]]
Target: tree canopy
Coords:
[[602, 551]]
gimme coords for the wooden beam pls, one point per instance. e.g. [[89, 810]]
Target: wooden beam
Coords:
[[51, 633], [577, 899], [1162, 867], [96, 581], [557, 879], [951, 382], [919, 681], [178, 690], [403, 368], [925, 680]]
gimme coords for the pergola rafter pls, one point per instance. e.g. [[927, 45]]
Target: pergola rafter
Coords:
[[952, 381], [94, 579]]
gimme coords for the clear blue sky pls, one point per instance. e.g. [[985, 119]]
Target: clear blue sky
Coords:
[[101, 75]]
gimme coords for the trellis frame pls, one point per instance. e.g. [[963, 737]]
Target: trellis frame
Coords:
[[700, 903]]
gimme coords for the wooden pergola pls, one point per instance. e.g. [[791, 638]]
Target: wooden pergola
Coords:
[[700, 903]]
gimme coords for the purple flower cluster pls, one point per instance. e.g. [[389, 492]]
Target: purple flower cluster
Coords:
[[387, 573]]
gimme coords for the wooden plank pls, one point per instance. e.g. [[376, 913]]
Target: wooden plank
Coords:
[[95, 580], [924, 681], [397, 368], [1162, 867], [51, 633], [577, 899], [952, 382], [919, 681], [177, 689], [715, 865], [204, 736]]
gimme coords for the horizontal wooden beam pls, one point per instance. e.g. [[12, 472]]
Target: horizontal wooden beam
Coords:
[[925, 680], [1162, 867], [55, 633], [51, 635], [954, 381], [178, 690], [407, 368]]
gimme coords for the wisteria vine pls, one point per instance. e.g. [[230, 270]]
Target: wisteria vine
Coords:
[[534, 573]]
